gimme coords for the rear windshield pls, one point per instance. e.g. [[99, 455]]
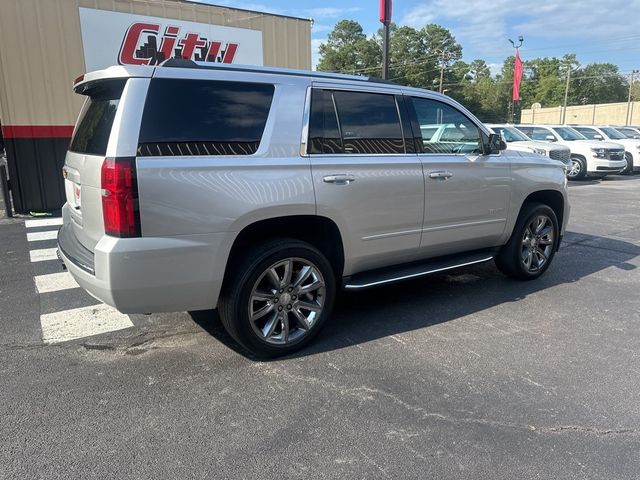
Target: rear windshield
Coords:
[[204, 117], [96, 118]]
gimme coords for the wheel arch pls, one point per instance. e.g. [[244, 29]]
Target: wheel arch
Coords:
[[552, 198], [319, 231]]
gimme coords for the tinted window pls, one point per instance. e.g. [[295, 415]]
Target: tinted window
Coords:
[[569, 134], [629, 132], [612, 133], [510, 134], [324, 134], [96, 118], [445, 129], [587, 132], [537, 133], [203, 117], [369, 123]]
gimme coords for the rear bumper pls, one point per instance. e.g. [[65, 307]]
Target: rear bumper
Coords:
[[149, 275]]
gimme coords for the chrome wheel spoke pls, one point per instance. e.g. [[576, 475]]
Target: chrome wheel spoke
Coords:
[[303, 275], [262, 296], [284, 320], [261, 312], [312, 287], [302, 320], [312, 307], [288, 271], [274, 278], [270, 326]]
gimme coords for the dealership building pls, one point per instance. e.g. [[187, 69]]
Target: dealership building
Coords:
[[46, 44]]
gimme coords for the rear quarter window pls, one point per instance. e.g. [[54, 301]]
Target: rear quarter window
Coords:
[[93, 128], [204, 117]]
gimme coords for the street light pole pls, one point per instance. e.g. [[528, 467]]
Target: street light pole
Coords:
[[385, 51], [385, 19], [566, 95], [513, 101], [631, 75]]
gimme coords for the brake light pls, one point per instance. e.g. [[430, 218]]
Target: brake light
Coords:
[[120, 197]]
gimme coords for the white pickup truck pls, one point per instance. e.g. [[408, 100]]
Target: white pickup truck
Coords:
[[592, 158]]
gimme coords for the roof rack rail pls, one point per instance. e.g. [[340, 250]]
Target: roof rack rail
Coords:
[[186, 63]]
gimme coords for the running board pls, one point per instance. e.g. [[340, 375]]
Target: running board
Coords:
[[398, 273]]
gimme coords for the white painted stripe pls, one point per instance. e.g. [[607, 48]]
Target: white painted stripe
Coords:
[[45, 222], [54, 282], [82, 322], [43, 254], [38, 236]]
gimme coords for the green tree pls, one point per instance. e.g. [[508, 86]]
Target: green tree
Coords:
[[348, 50], [599, 83]]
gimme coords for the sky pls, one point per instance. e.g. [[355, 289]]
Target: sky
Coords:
[[595, 30]]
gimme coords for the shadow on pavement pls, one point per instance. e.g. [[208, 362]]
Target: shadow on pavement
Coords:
[[361, 317]]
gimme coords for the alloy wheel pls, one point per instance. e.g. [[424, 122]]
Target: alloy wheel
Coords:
[[537, 243], [286, 301], [576, 167]]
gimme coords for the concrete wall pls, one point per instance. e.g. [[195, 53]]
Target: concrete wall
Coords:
[[598, 114]]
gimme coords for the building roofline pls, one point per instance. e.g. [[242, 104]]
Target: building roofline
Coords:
[[201, 2]]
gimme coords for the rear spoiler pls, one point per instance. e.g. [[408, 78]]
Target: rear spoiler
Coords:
[[83, 82]]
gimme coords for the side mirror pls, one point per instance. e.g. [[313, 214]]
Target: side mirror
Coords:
[[550, 138], [597, 136], [495, 144]]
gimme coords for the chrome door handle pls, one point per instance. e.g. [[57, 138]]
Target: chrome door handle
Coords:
[[339, 179], [443, 175]]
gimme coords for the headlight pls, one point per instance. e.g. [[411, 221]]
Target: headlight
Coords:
[[599, 152], [539, 151]]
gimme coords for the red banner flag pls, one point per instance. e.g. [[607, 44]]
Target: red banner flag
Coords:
[[385, 11], [517, 76]]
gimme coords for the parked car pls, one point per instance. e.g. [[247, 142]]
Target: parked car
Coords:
[[518, 141], [261, 191], [629, 132], [611, 134], [588, 157]]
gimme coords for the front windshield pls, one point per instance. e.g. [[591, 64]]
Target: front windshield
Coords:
[[613, 133], [569, 134], [511, 134], [629, 133]]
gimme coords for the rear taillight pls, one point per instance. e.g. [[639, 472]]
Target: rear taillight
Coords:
[[120, 197]]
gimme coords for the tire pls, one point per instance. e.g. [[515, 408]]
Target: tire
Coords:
[[523, 246], [578, 169], [628, 170], [250, 290]]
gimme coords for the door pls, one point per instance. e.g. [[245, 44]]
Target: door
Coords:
[[367, 178], [467, 193]]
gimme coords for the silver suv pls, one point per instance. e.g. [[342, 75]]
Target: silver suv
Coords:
[[261, 192]]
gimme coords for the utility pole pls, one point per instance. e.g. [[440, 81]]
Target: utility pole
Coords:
[[443, 58], [566, 95], [512, 114], [385, 18], [631, 75]]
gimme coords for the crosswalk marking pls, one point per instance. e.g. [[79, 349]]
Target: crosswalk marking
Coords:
[[38, 236], [54, 282], [73, 323], [82, 322], [43, 254], [45, 222]]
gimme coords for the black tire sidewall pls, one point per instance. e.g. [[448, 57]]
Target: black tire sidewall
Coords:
[[248, 273]]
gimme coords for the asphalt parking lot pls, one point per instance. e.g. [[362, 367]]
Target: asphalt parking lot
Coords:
[[464, 375]]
